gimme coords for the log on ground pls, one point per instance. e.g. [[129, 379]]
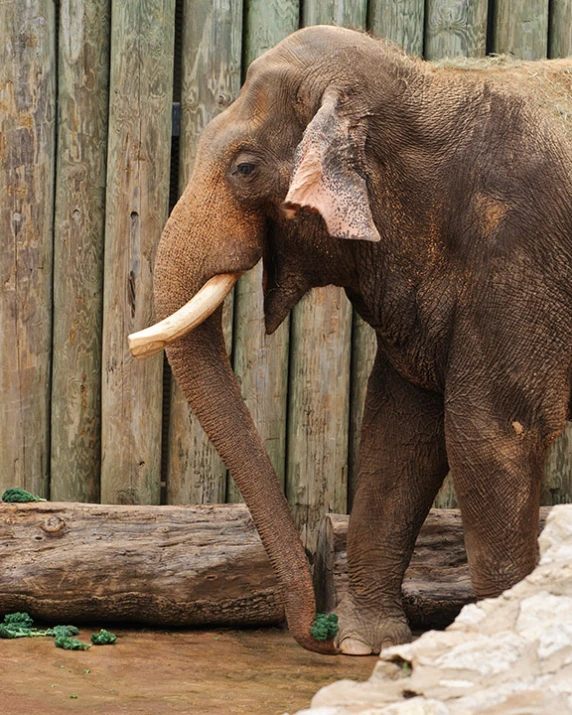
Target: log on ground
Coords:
[[436, 584], [195, 565], [157, 565]]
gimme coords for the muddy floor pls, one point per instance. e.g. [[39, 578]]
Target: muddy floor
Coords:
[[148, 672]]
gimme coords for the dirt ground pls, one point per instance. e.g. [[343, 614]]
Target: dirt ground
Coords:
[[152, 672]]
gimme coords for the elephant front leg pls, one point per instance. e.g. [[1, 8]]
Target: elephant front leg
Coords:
[[402, 465]]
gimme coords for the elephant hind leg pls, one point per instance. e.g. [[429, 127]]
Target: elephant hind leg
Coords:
[[497, 464]]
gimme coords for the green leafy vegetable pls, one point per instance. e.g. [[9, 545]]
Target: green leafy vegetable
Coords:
[[18, 495], [68, 643], [21, 625], [103, 638], [64, 631], [19, 619], [325, 626]]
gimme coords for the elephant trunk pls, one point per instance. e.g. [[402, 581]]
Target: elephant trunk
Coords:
[[201, 366]]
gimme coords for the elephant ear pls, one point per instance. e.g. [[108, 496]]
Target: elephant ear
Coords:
[[327, 176]]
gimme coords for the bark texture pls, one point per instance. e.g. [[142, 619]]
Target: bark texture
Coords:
[[195, 565], [436, 584], [176, 565]]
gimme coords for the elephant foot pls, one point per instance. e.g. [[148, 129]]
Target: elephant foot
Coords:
[[363, 633], [353, 646]]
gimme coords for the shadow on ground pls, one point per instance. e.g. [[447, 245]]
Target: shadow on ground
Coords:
[[151, 672]]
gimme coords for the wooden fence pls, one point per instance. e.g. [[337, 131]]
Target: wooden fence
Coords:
[[87, 160]]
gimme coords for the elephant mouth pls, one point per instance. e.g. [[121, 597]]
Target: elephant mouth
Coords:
[[203, 304]]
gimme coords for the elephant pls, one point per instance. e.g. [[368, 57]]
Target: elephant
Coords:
[[439, 196]]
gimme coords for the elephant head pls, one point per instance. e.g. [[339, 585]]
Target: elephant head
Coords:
[[294, 139]]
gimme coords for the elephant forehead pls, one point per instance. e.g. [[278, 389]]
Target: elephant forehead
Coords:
[[226, 134], [305, 45], [271, 84], [319, 50], [262, 108]]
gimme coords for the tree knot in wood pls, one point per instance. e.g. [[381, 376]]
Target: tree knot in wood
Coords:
[[53, 525], [131, 292]]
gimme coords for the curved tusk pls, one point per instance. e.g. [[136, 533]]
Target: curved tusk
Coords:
[[203, 304]]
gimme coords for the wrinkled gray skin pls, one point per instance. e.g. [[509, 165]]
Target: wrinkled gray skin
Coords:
[[441, 202]]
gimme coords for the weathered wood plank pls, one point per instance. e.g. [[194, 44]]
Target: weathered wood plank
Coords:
[[27, 160], [557, 479], [333, 12], [267, 23], [320, 355], [211, 54], [521, 29], [177, 566], [560, 32], [446, 498], [456, 28], [137, 204], [557, 485], [364, 347], [261, 361], [318, 408], [83, 100], [437, 583], [400, 21]]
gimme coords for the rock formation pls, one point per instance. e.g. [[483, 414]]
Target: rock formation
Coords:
[[510, 655]]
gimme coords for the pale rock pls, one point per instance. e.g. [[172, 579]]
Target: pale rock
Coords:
[[556, 532], [413, 706], [487, 655], [349, 693], [471, 615], [547, 619], [506, 656]]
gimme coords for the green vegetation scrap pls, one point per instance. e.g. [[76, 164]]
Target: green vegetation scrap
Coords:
[[21, 625], [17, 495], [103, 638], [325, 626]]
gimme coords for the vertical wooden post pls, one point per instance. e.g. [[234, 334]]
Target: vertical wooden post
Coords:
[[83, 101], [137, 203], [27, 169], [210, 66], [261, 361], [454, 28], [402, 23], [560, 24], [320, 357], [521, 29], [557, 483], [332, 12], [364, 347], [318, 408]]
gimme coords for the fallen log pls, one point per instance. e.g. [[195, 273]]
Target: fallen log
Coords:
[[194, 565], [157, 565], [436, 584]]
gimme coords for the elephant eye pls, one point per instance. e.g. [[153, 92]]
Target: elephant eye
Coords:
[[245, 169]]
